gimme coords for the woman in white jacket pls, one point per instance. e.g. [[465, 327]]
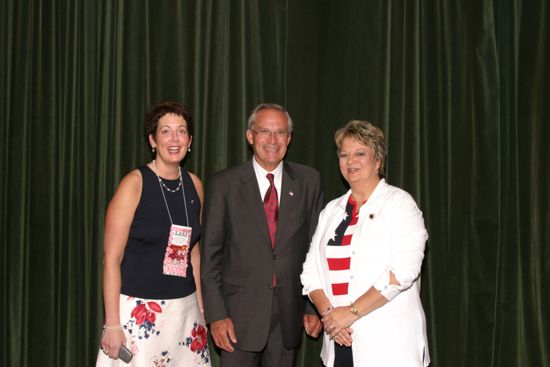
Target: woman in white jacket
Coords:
[[362, 270]]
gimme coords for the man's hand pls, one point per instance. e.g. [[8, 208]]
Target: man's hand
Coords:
[[223, 333], [312, 325]]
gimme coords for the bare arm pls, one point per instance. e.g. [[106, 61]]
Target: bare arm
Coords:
[[120, 213], [321, 301]]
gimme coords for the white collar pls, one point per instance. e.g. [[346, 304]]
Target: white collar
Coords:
[[261, 173]]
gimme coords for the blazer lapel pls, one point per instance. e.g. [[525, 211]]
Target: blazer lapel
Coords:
[[289, 202], [250, 194]]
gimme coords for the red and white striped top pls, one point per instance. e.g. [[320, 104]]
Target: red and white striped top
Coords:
[[339, 254]]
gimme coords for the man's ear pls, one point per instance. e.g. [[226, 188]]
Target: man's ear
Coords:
[[249, 137]]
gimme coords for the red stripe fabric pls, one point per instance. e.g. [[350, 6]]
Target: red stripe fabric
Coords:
[[340, 289], [346, 240], [339, 263]]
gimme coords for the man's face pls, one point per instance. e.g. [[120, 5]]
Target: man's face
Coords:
[[269, 138]]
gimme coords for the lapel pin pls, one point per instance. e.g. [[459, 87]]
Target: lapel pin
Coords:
[[192, 201], [371, 216], [291, 193]]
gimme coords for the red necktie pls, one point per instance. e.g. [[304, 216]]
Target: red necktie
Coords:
[[271, 203]]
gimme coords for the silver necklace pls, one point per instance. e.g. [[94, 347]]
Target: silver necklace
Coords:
[[164, 196], [162, 182]]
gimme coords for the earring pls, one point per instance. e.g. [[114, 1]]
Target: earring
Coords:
[[189, 149], [153, 149]]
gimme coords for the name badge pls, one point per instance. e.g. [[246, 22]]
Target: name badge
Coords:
[[177, 251]]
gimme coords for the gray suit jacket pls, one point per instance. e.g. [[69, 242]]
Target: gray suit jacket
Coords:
[[237, 261]]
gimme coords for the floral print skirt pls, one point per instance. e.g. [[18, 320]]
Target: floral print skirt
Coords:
[[162, 333]]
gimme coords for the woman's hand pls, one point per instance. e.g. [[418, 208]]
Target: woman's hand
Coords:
[[337, 320], [111, 342], [344, 337], [341, 335]]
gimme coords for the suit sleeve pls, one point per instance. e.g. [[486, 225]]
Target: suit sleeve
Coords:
[[318, 202], [212, 251]]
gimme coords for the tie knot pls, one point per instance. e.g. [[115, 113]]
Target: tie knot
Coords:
[[270, 178]]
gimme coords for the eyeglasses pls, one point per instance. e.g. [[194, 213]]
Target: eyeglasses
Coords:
[[266, 133]]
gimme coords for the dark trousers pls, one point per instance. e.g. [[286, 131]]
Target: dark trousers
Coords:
[[343, 356], [274, 354]]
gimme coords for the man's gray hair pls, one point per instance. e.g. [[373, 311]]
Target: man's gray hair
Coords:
[[268, 106]]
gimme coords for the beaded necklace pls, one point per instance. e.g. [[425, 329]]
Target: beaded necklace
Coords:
[[162, 182], [164, 197]]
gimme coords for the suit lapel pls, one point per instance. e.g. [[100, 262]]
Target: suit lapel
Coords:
[[289, 201], [250, 194]]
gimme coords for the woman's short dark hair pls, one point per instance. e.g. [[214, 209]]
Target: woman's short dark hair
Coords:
[[157, 111]]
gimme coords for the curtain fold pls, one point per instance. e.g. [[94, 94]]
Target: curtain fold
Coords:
[[461, 90]]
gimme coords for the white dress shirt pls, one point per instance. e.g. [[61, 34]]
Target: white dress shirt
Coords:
[[263, 182], [390, 237]]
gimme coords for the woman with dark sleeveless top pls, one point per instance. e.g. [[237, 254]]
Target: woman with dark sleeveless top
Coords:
[[151, 288]]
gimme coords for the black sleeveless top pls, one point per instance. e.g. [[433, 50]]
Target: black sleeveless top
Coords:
[[142, 265]]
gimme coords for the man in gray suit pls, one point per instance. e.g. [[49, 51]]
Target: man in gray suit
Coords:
[[258, 222]]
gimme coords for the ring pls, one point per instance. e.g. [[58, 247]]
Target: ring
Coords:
[[104, 350]]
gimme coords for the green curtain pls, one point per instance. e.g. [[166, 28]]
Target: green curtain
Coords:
[[460, 88]]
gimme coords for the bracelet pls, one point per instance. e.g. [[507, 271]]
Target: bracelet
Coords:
[[354, 310], [111, 328]]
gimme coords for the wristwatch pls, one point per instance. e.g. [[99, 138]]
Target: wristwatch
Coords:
[[354, 310]]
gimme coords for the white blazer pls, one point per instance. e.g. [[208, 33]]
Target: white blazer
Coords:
[[390, 237]]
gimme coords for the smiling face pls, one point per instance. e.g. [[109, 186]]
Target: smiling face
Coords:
[[269, 138], [171, 139], [358, 164]]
